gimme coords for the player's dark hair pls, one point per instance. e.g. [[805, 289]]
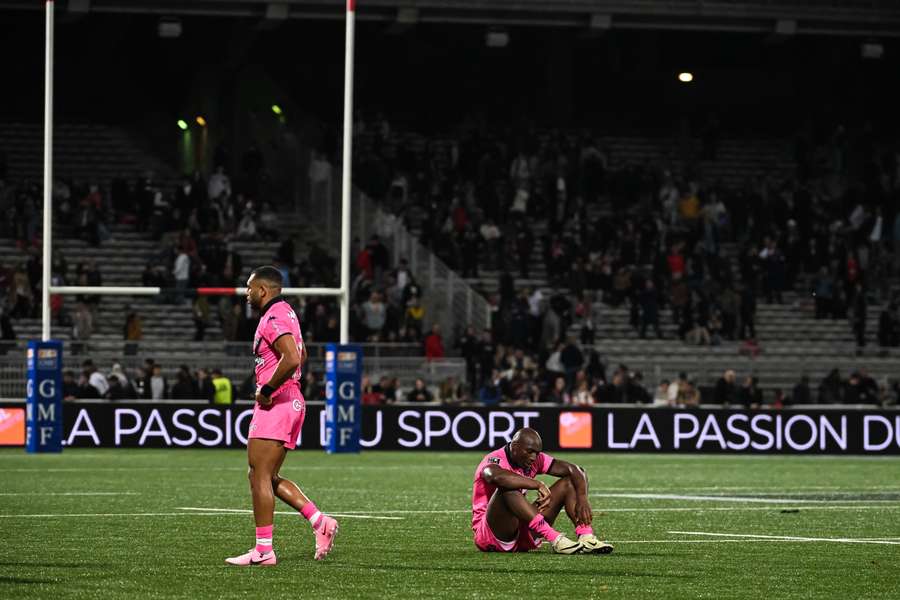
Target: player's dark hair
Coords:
[[268, 273]]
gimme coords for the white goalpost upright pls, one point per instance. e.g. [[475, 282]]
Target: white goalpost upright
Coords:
[[346, 180], [342, 293], [48, 170]]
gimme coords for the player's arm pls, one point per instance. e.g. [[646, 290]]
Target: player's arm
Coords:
[[578, 479], [507, 480], [287, 364]]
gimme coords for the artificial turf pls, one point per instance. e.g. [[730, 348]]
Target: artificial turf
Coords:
[[115, 524]]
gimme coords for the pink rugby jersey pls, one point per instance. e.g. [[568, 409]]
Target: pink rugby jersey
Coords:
[[278, 319], [482, 490]]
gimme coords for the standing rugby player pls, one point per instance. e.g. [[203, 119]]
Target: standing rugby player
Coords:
[[277, 419]]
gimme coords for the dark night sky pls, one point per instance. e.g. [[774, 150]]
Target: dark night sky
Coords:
[[109, 66]]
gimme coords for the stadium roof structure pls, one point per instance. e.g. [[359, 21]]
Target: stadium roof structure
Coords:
[[879, 18]]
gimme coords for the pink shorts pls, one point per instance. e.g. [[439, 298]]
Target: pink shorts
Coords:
[[486, 541], [281, 420]]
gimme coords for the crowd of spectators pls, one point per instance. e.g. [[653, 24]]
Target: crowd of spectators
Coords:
[[647, 236], [148, 382]]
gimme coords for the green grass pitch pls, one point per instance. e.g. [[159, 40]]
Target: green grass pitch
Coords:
[[115, 524]]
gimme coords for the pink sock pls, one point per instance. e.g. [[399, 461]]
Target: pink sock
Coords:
[[311, 513], [264, 539], [584, 530], [540, 526]]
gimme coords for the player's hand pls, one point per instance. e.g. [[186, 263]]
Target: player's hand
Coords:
[[543, 499], [583, 513], [263, 400]]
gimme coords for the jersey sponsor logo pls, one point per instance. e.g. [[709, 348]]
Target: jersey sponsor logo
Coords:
[[495, 460]]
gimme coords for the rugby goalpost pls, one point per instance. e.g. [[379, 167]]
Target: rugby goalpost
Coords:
[[342, 292]]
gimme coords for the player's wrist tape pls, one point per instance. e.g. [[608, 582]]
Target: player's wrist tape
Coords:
[[267, 390]]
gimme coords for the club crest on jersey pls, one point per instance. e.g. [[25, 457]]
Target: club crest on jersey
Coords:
[[297, 405]]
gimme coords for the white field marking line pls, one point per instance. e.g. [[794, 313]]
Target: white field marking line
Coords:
[[160, 514], [244, 511], [69, 494], [748, 508], [789, 538], [242, 468], [762, 489], [724, 498]]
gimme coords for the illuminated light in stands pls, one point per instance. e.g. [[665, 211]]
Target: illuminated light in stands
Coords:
[[182, 124], [276, 109], [201, 121], [685, 77]]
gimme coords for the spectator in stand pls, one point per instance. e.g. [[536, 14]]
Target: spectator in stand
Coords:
[[489, 394], [71, 389], [493, 243], [134, 326], [649, 302], [95, 379], [583, 396], [246, 230], [312, 390], [470, 349], [860, 310], [689, 395], [181, 271], [434, 344], [471, 243], [205, 388], [82, 322], [451, 392], [419, 392], [415, 313], [374, 316], [801, 393], [557, 394], [21, 295], [889, 327], [120, 388], [184, 387], [831, 389], [571, 358], [201, 317], [726, 391], [676, 388], [219, 184], [748, 313], [749, 393], [661, 395], [390, 387], [370, 396], [156, 386]]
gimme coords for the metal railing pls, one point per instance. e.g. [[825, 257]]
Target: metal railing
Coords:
[[13, 370], [448, 298]]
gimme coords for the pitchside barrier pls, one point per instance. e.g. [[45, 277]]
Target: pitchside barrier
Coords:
[[807, 431], [44, 414]]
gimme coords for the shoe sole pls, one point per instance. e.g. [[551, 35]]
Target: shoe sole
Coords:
[[600, 550], [330, 545]]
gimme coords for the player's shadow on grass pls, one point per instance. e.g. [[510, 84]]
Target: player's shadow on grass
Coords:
[[58, 565], [594, 569], [23, 580]]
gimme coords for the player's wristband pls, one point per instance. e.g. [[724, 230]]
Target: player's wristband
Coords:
[[267, 390]]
